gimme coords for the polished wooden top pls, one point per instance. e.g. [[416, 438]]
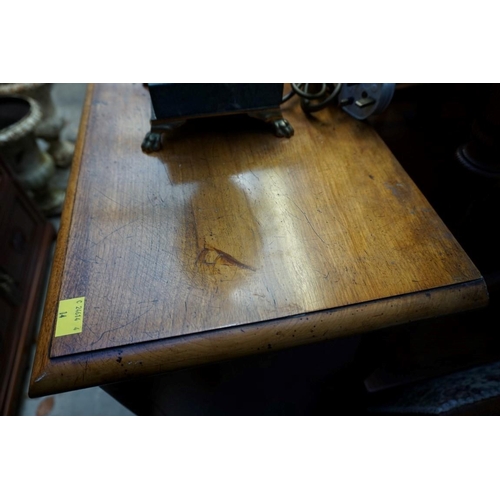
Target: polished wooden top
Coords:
[[230, 229]]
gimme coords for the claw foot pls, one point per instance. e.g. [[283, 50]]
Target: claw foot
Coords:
[[152, 142], [282, 128]]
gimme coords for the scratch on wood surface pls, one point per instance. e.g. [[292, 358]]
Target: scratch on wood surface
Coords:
[[41, 377], [307, 219], [112, 232], [221, 258], [120, 326], [110, 199]]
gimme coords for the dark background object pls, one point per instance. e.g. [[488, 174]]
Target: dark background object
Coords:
[[184, 100], [25, 241], [428, 127], [175, 103]]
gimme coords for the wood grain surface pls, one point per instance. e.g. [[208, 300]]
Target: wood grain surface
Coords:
[[188, 255]]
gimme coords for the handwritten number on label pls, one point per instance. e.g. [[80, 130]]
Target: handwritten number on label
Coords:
[[70, 317]]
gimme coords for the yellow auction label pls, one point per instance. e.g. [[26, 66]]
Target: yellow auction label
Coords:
[[70, 317]]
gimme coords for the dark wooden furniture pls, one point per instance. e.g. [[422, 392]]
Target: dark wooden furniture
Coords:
[[232, 242], [25, 240]]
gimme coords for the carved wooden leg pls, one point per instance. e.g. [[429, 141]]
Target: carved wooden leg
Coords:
[[282, 127]]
